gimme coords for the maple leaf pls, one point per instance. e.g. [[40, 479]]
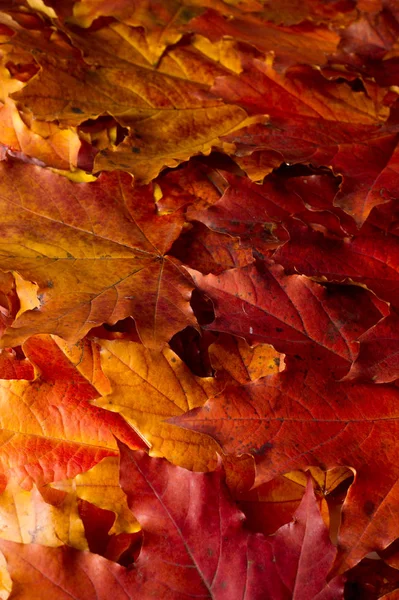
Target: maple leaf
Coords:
[[370, 175], [46, 142], [300, 566], [272, 504], [91, 268], [237, 362], [324, 122], [156, 26], [49, 431], [298, 418], [12, 367], [144, 153], [148, 387], [298, 316], [149, 101], [370, 259], [378, 358], [26, 518], [304, 100], [258, 206], [255, 220], [100, 486], [312, 43], [170, 500], [217, 576], [260, 213], [224, 566]]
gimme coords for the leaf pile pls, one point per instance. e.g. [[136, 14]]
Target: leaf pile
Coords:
[[199, 299]]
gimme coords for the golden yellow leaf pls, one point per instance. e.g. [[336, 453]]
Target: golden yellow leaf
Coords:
[[53, 146], [170, 111], [8, 83], [27, 294], [100, 486], [5, 579], [26, 518], [259, 164], [326, 481], [160, 24], [223, 51], [40, 6], [148, 387], [161, 140]]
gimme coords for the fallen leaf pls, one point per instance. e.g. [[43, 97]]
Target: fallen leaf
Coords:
[[237, 362], [225, 565], [297, 556], [67, 88], [148, 387], [54, 147], [260, 214], [49, 431], [297, 316], [232, 562], [252, 146], [370, 173], [210, 252], [186, 132], [302, 102], [162, 24], [370, 259], [323, 122], [312, 43], [378, 358], [26, 518], [296, 419], [100, 486], [14, 367], [90, 268]]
